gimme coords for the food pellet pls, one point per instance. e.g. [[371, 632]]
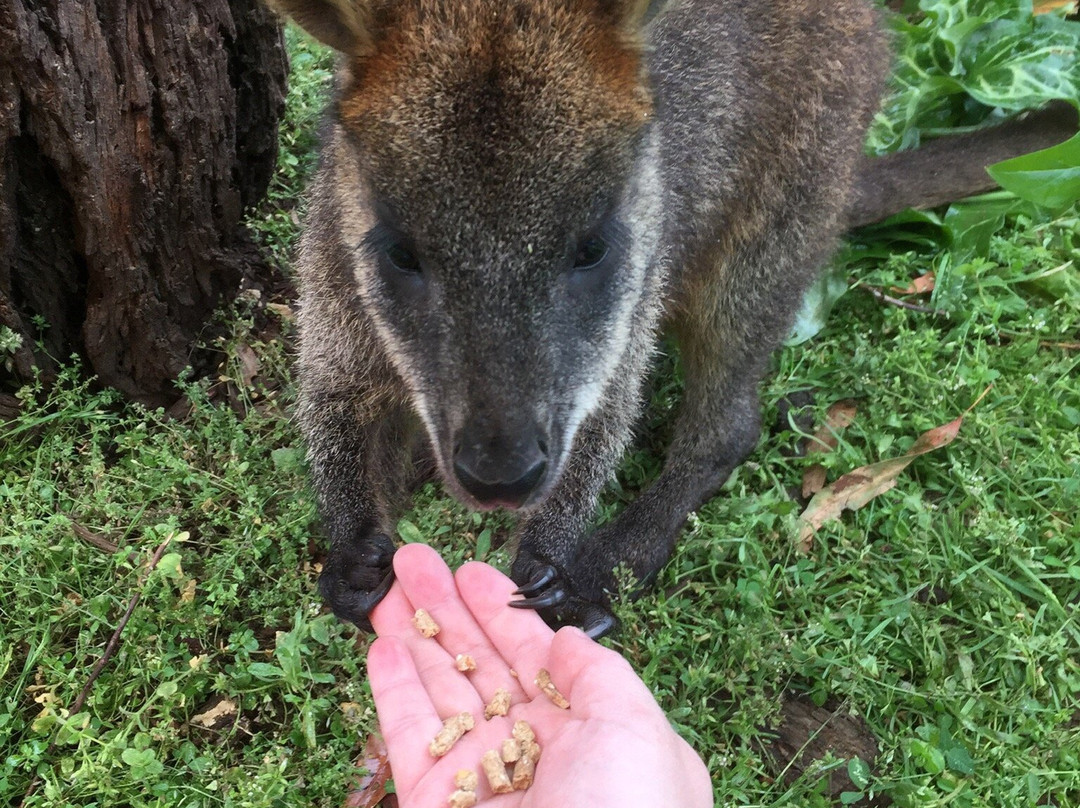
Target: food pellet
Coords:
[[465, 796], [462, 799], [525, 767], [425, 624], [523, 733], [510, 751], [499, 704], [495, 771], [466, 780], [452, 730], [543, 681], [464, 662]]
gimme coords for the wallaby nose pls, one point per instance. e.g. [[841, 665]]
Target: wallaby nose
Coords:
[[500, 467]]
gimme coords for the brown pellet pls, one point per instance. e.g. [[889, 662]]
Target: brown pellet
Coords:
[[466, 780], [525, 767], [543, 681], [452, 730], [464, 663], [510, 751], [462, 799], [523, 733], [425, 624], [499, 704], [495, 771]]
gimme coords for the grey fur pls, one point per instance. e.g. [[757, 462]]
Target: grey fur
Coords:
[[728, 167]]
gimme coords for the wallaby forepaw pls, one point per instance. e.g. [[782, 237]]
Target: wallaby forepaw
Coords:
[[354, 580], [550, 592]]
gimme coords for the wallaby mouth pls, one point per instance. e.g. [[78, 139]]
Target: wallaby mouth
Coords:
[[500, 467]]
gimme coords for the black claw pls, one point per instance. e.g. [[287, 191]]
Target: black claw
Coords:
[[552, 597], [599, 625], [542, 578], [384, 586], [361, 623]]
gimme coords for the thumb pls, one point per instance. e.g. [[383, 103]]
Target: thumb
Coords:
[[595, 679]]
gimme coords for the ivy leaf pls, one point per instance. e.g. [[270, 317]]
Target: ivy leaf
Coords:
[[483, 544], [959, 760], [859, 772]]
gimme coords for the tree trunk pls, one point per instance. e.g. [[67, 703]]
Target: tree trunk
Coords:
[[807, 734], [133, 134]]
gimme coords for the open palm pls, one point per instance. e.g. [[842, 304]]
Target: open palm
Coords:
[[613, 746]]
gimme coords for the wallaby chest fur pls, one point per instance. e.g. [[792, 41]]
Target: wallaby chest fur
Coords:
[[513, 200]]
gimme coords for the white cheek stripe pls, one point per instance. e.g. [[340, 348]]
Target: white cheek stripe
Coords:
[[400, 361], [646, 220]]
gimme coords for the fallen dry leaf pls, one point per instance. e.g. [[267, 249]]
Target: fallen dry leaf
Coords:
[[856, 488], [187, 594], [249, 364], [215, 716], [351, 711], [93, 538], [1046, 6], [813, 480], [839, 416], [919, 286], [283, 311], [369, 789]]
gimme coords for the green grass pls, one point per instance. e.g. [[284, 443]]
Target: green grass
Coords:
[[943, 613], [276, 222]]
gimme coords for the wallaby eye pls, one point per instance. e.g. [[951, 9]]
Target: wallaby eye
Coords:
[[403, 258], [590, 252]]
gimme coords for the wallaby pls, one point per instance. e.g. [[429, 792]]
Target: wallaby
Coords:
[[514, 197]]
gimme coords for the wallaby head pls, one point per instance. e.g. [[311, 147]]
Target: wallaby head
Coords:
[[491, 171]]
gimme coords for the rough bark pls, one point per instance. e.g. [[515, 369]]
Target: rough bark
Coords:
[[807, 734], [133, 133]]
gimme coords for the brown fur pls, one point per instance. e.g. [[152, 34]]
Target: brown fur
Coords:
[[479, 153]]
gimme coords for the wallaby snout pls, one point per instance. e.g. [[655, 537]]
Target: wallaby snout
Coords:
[[500, 464]]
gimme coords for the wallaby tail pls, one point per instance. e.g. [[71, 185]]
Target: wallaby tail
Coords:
[[951, 168]]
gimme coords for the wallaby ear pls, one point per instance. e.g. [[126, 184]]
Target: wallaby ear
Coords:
[[341, 24]]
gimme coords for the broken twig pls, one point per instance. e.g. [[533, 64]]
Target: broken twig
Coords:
[[894, 301]]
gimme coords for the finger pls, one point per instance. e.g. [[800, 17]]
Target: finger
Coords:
[[450, 690], [427, 584], [698, 781], [520, 636], [595, 679], [407, 715]]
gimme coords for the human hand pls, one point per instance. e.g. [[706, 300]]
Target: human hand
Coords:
[[613, 747]]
